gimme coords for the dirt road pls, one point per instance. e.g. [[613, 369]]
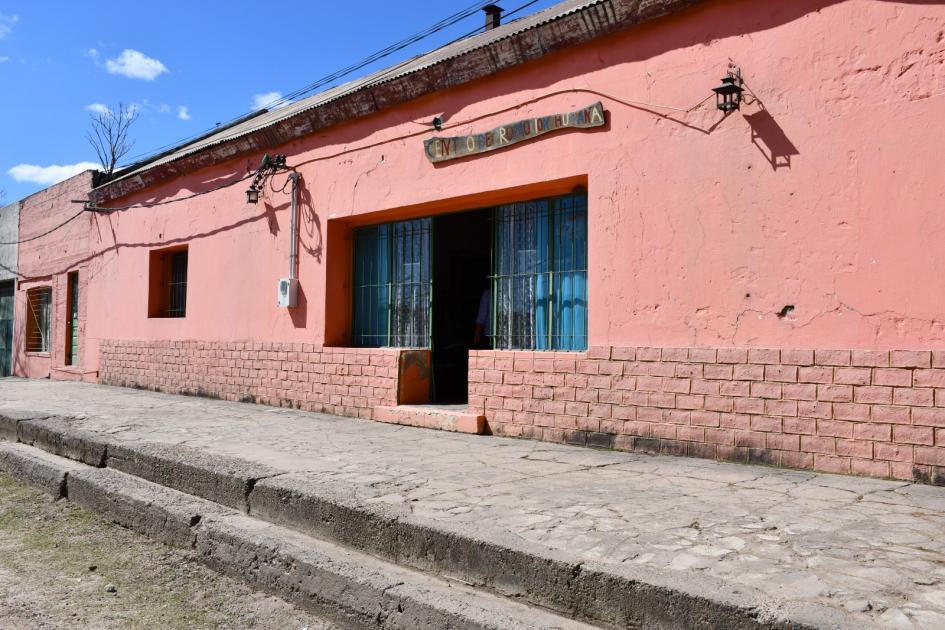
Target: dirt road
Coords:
[[58, 564]]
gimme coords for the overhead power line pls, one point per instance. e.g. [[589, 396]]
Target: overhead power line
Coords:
[[338, 74], [47, 232], [439, 26]]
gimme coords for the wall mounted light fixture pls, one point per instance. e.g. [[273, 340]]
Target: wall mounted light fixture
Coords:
[[438, 123], [268, 166], [729, 94]]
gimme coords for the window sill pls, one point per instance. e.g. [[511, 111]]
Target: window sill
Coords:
[[38, 354]]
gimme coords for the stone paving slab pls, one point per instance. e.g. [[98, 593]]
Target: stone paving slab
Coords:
[[872, 548]]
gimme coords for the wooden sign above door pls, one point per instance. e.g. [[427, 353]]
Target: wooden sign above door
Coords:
[[444, 149]]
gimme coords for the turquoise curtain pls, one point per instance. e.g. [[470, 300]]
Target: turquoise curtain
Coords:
[[570, 264], [542, 279], [540, 287], [392, 270], [372, 286]]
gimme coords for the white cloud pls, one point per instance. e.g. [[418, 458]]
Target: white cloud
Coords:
[[98, 108], [48, 175], [134, 65], [161, 108], [183, 113], [4, 59], [6, 24], [261, 101]]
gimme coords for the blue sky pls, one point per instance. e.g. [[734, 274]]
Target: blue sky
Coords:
[[185, 65]]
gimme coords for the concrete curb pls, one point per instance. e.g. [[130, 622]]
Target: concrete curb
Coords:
[[37, 468], [350, 588], [614, 595], [150, 509], [622, 596], [10, 423], [224, 480], [48, 434]]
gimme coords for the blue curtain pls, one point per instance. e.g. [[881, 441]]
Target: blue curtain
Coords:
[[392, 266], [542, 295], [570, 264], [540, 289], [410, 278], [371, 286]]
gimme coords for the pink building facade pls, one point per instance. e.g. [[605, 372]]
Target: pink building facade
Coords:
[[761, 286], [54, 271]]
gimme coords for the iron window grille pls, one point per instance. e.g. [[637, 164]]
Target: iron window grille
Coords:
[[167, 282], [177, 285], [38, 319], [539, 286], [393, 284]]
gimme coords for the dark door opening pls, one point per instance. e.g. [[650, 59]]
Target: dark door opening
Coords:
[[6, 328], [462, 262], [72, 323]]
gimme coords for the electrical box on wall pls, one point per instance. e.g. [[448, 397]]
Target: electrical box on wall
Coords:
[[288, 292]]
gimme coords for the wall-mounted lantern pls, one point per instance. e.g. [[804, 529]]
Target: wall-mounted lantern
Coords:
[[252, 195], [729, 94], [268, 166]]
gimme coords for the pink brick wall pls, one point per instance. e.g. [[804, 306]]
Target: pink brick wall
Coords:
[[874, 413], [343, 381]]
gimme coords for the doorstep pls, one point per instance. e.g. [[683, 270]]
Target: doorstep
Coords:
[[455, 418]]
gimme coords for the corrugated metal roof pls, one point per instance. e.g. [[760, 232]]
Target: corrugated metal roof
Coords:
[[416, 64]]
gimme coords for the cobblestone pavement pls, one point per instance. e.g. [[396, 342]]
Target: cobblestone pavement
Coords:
[[871, 547]]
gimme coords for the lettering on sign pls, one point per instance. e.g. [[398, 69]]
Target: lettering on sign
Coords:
[[443, 149]]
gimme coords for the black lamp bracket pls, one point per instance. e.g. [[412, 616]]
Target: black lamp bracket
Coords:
[[270, 165]]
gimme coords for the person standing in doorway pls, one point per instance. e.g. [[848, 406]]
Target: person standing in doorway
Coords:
[[482, 329]]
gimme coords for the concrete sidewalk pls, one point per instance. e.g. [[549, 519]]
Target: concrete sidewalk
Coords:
[[872, 549]]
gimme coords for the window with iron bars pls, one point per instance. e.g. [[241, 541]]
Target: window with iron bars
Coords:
[[167, 292], [38, 319], [392, 284], [539, 286]]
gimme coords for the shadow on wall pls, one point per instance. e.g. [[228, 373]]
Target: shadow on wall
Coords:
[[310, 226], [769, 137], [299, 314], [271, 220]]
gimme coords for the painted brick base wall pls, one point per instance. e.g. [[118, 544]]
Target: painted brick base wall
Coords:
[[343, 381], [880, 414], [874, 413]]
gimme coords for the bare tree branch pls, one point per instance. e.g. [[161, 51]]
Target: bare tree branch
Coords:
[[109, 135]]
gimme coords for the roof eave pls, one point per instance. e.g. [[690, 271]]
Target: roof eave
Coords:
[[569, 30]]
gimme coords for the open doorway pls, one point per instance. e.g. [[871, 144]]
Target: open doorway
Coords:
[[462, 263], [6, 327]]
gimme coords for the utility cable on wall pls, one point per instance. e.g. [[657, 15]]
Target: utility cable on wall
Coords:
[[423, 132], [90, 207], [630, 103], [47, 232]]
